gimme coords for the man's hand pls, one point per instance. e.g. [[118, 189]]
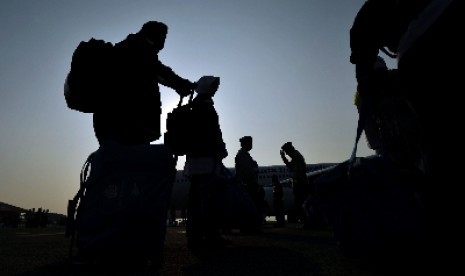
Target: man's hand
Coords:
[[186, 88]]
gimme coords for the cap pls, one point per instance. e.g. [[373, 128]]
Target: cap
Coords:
[[207, 85], [287, 146]]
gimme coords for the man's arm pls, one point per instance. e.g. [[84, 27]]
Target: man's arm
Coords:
[[169, 78], [284, 158]]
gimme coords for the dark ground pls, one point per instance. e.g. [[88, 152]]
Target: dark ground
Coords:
[[278, 251]]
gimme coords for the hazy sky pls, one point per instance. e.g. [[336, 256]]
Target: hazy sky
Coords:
[[284, 68]]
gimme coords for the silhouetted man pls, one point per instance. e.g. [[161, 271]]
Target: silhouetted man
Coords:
[[132, 114], [247, 174], [301, 187], [247, 169]]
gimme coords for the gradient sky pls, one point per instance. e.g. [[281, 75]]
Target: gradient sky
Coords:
[[284, 68]]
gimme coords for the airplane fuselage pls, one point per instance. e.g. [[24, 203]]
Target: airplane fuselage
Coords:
[[181, 185]]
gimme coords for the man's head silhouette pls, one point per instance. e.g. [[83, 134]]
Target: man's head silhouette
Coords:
[[246, 142], [287, 147], [155, 33], [207, 85]]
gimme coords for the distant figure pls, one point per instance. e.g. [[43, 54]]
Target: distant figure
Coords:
[[278, 201], [132, 114], [44, 218], [203, 162], [247, 170], [301, 187], [28, 218]]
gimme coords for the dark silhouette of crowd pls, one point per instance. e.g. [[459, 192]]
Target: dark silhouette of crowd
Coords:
[[10, 218], [36, 218]]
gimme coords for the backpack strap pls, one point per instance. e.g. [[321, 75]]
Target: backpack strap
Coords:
[[73, 203], [388, 53]]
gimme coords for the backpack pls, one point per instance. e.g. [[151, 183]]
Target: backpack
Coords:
[[90, 75]]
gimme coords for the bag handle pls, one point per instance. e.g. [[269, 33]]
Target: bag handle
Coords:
[[360, 126], [191, 96], [73, 203]]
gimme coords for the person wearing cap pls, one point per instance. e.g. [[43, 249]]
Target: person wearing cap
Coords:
[[132, 114], [203, 163], [300, 184]]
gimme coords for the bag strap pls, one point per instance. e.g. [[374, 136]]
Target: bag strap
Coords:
[[363, 114], [191, 96], [388, 53], [72, 204]]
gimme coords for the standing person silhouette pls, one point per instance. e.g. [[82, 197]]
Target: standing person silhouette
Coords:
[[247, 173], [301, 186], [203, 163], [132, 114]]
